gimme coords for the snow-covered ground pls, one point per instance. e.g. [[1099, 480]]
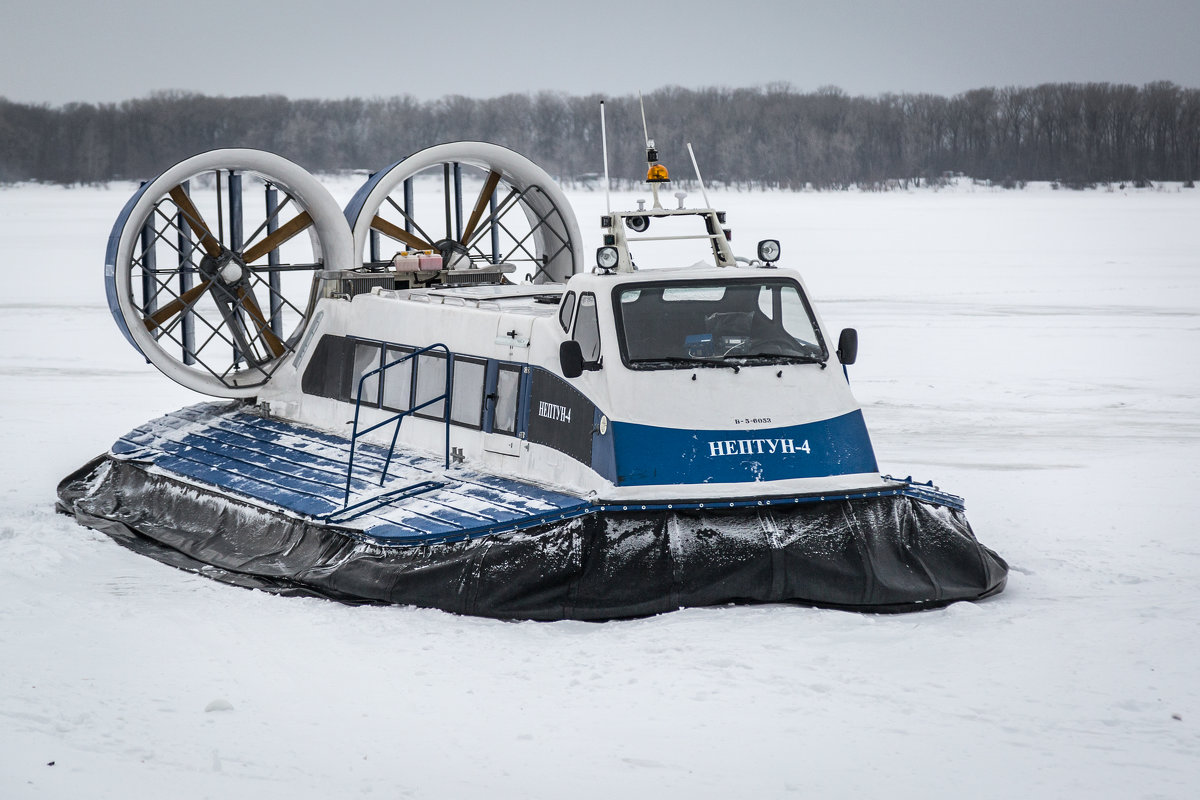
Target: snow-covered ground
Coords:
[[1035, 351]]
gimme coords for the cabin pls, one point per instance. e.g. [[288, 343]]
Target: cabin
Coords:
[[674, 383]]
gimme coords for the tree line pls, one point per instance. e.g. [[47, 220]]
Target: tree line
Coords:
[[772, 136]]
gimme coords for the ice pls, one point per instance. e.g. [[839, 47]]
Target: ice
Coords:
[[1033, 351]]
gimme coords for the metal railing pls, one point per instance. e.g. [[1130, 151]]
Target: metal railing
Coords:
[[396, 418]]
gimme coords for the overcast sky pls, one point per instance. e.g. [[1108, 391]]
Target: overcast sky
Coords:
[[81, 50]]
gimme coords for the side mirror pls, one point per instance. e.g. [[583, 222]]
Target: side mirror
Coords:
[[570, 359], [847, 351]]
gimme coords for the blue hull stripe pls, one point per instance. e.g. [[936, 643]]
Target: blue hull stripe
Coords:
[[648, 455]]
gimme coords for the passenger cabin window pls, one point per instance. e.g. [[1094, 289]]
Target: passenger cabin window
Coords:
[[587, 327], [466, 398], [431, 382], [466, 392], [408, 381], [508, 387], [366, 359], [680, 325], [565, 310], [397, 381]]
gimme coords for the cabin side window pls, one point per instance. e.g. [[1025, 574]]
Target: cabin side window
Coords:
[[466, 392], [466, 397], [431, 382], [508, 390], [366, 359], [328, 371], [408, 381], [587, 327], [397, 381], [565, 310]]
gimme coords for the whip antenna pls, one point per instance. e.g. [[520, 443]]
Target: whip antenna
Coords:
[[604, 147], [645, 130], [696, 167]]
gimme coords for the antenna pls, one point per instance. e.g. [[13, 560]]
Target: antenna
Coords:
[[651, 153], [604, 147], [645, 130], [696, 167], [655, 173]]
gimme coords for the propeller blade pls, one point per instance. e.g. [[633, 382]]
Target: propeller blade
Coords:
[[399, 234], [489, 187], [185, 300], [278, 237], [185, 205], [264, 330]]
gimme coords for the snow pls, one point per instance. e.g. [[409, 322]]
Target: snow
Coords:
[[1033, 351]]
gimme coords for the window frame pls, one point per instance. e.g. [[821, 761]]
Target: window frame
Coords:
[[405, 350], [454, 384], [493, 400], [570, 298], [355, 377], [575, 326], [426, 413], [619, 319]]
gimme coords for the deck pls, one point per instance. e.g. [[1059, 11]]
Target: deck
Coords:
[[302, 471]]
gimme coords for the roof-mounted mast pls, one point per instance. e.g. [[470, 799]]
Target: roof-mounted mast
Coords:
[[656, 173], [622, 227]]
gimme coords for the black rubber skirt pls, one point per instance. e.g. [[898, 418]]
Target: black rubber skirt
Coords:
[[883, 554]]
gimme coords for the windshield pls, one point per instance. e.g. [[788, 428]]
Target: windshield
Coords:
[[716, 323]]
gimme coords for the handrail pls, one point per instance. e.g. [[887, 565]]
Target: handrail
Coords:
[[397, 418]]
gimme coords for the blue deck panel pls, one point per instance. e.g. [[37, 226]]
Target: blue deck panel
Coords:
[[304, 471], [325, 449], [250, 479], [243, 457], [496, 490], [501, 505], [484, 483], [258, 489]]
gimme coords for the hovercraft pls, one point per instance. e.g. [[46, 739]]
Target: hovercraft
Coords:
[[429, 398]]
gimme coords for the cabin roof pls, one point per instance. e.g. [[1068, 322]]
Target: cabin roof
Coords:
[[701, 271], [537, 300]]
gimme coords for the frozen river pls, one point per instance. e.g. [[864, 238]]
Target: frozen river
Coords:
[[1035, 351]]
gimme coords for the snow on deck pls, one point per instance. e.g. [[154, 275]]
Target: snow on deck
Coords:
[[302, 471]]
